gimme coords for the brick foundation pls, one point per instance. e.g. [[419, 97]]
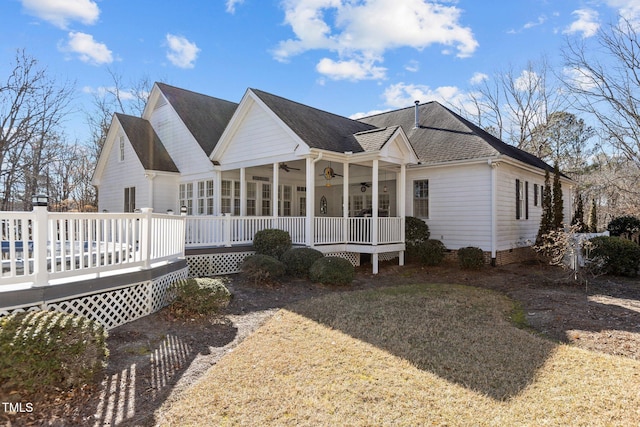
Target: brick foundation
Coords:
[[509, 256]]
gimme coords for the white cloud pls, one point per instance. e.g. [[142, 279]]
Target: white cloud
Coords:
[[350, 70], [541, 20], [231, 5], [587, 23], [360, 115], [628, 9], [366, 29], [478, 78], [580, 77], [401, 95], [182, 53], [528, 81], [412, 66], [87, 49], [61, 12], [102, 91]]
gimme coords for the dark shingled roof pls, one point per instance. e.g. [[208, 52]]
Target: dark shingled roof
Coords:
[[375, 139], [317, 128], [444, 136], [205, 117], [146, 144]]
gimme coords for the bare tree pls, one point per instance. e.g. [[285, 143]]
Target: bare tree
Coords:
[[513, 103], [604, 78], [115, 98], [32, 107]]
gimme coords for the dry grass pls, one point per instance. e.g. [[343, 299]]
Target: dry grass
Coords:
[[411, 355]]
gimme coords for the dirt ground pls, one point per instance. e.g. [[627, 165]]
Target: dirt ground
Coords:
[[154, 358]]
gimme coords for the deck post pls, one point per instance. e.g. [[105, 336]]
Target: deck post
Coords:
[[40, 231], [146, 230], [227, 230]]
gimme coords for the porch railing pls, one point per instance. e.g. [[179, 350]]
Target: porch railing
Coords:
[[211, 231], [39, 247]]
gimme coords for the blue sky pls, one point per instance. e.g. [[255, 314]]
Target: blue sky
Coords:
[[345, 56]]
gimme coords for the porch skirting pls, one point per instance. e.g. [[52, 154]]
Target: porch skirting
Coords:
[[112, 301], [204, 262]]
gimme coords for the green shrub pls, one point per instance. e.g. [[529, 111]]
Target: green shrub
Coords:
[[614, 255], [624, 226], [332, 271], [198, 297], [262, 269], [46, 350], [429, 252], [471, 257], [272, 242], [416, 232], [298, 261]]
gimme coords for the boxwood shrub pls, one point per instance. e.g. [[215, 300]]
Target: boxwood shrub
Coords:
[[262, 269], [298, 261], [429, 252], [614, 255], [471, 257], [272, 242], [198, 297], [46, 350], [332, 271]]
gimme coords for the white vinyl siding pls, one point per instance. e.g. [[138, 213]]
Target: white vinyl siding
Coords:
[[265, 136], [459, 204]]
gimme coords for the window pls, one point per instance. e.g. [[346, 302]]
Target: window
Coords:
[[251, 198], [284, 196], [185, 197], [535, 194], [266, 199], [130, 199], [226, 192], [421, 198], [209, 197], [384, 203], [201, 206], [122, 148], [522, 199]]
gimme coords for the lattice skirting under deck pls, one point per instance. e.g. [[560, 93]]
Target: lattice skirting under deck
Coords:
[[352, 257], [205, 265], [115, 307]]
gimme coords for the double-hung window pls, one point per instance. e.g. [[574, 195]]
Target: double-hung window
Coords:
[[421, 198], [522, 199]]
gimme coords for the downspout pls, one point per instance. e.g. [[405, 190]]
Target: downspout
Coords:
[[494, 201]]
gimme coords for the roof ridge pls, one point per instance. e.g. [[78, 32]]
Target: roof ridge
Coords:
[[399, 109], [192, 91]]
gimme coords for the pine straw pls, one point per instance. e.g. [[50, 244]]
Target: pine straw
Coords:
[[411, 355]]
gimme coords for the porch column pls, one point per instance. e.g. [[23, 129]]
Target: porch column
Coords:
[[310, 168], [401, 204], [345, 201], [374, 215], [217, 192], [243, 192], [274, 193]]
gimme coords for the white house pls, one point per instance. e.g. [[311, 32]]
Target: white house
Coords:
[[318, 174]]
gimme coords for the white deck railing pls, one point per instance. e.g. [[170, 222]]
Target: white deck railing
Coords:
[[211, 231], [39, 247]]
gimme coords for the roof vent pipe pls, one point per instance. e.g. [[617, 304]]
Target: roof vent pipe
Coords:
[[417, 124]]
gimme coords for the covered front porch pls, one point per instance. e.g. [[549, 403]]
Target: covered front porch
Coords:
[[324, 200]]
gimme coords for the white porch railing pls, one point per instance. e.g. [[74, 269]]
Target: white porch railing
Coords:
[[39, 247], [209, 231]]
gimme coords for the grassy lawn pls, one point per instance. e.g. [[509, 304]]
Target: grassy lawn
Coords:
[[410, 355]]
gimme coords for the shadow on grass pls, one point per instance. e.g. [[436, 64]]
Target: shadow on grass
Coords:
[[462, 334], [154, 358]]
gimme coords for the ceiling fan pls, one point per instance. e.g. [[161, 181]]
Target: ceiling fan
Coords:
[[328, 173], [285, 167]]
